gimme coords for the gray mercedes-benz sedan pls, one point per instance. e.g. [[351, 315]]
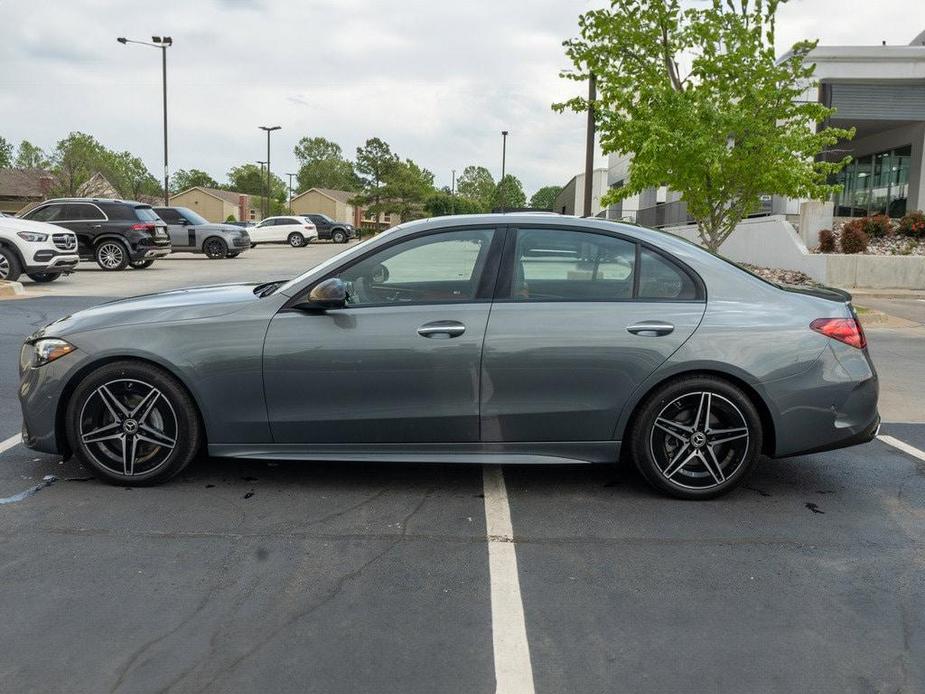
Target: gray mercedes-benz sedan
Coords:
[[517, 338]]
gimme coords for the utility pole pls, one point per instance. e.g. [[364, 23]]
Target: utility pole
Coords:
[[589, 146], [269, 129], [162, 42], [290, 190], [453, 194], [503, 167], [262, 179]]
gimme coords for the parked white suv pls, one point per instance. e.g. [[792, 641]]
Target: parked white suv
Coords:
[[292, 229], [40, 251]]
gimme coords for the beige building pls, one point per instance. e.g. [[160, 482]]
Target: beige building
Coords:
[[218, 205], [336, 205]]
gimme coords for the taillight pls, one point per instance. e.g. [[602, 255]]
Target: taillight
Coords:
[[150, 228], [847, 330], [309, 228]]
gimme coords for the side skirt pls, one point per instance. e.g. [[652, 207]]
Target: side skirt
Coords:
[[521, 453]]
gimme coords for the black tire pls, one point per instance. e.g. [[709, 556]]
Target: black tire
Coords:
[[296, 240], [9, 265], [233, 254], [215, 248], [43, 277], [681, 452], [111, 255], [142, 264], [146, 406], [339, 236]]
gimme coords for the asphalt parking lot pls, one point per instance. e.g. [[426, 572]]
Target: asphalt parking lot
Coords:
[[279, 577]]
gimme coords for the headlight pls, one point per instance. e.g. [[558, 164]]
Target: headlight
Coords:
[[32, 236], [43, 352]]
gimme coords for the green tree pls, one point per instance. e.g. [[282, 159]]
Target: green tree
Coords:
[[129, 175], [509, 194], [322, 164], [184, 180], [723, 132], [545, 197], [441, 203], [476, 183], [29, 156], [252, 179], [75, 159], [6, 153], [375, 161], [406, 189]]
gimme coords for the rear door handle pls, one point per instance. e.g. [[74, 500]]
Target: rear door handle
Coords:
[[650, 328], [442, 329]]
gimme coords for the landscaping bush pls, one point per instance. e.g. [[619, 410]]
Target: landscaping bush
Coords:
[[826, 241], [877, 226], [853, 238], [913, 224]]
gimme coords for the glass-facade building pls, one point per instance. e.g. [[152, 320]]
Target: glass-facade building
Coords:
[[875, 184]]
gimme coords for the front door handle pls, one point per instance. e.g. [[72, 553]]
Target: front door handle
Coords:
[[442, 329], [650, 328]]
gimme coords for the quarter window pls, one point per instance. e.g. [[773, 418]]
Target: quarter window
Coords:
[[555, 265], [443, 267], [661, 279]]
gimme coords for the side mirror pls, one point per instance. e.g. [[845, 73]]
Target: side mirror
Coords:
[[332, 293]]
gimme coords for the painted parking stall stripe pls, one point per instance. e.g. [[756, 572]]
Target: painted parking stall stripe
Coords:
[[10, 442], [513, 672], [902, 446]]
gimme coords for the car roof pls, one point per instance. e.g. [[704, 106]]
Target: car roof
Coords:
[[133, 203]]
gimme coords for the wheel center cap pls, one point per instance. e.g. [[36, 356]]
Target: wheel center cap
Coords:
[[698, 439], [130, 426]]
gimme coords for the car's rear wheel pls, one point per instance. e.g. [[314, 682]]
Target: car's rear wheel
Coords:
[[43, 277], [142, 264], [9, 265], [215, 248], [339, 236], [111, 255], [296, 240], [696, 437], [132, 423]]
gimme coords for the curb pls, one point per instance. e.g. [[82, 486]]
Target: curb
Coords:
[[11, 288]]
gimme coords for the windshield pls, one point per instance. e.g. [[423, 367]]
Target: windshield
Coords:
[[192, 217]]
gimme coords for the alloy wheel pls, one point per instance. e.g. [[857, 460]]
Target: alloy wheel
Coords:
[[110, 255], [4, 267], [699, 440], [129, 427], [296, 240]]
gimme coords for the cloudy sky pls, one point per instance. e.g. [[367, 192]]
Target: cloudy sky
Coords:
[[438, 80]]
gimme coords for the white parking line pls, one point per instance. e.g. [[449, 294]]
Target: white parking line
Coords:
[[10, 442], [903, 446], [513, 673]]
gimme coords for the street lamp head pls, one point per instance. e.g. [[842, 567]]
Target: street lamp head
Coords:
[[156, 39], [270, 128], [122, 40], [504, 132]]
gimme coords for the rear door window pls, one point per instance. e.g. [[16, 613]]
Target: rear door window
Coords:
[[168, 215]]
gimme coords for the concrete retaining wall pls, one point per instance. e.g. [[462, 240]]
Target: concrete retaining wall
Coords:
[[773, 242]]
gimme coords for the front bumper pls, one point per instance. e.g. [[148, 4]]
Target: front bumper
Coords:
[[58, 262]]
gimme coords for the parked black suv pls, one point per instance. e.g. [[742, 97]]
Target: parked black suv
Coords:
[[328, 229], [114, 233]]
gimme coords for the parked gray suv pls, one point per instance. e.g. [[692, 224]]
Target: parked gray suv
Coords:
[[192, 233]]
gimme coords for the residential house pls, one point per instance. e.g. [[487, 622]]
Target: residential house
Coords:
[[20, 188], [218, 205], [336, 205]]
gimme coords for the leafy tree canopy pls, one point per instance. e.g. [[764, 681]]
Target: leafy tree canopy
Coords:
[[476, 183], [407, 187], [509, 194], [252, 179], [6, 153], [375, 161], [75, 159], [545, 197], [29, 156], [183, 179], [322, 164], [442, 203], [699, 100]]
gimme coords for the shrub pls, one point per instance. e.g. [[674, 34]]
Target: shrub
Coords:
[[853, 238], [913, 224], [826, 241], [877, 226]]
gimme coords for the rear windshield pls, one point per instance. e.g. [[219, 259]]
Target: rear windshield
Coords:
[[146, 214]]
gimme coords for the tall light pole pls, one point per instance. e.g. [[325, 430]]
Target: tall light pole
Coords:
[[263, 166], [290, 190], [162, 42], [503, 165], [453, 194], [269, 129], [589, 145]]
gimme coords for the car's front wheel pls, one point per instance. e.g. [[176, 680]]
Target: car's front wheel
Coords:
[[111, 255], [296, 240], [696, 437], [9, 265], [215, 248], [339, 236], [132, 423]]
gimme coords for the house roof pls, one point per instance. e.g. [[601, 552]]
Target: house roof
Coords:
[[23, 183], [344, 196], [226, 195]]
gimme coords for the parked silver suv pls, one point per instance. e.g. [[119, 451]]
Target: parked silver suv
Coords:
[[190, 232]]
